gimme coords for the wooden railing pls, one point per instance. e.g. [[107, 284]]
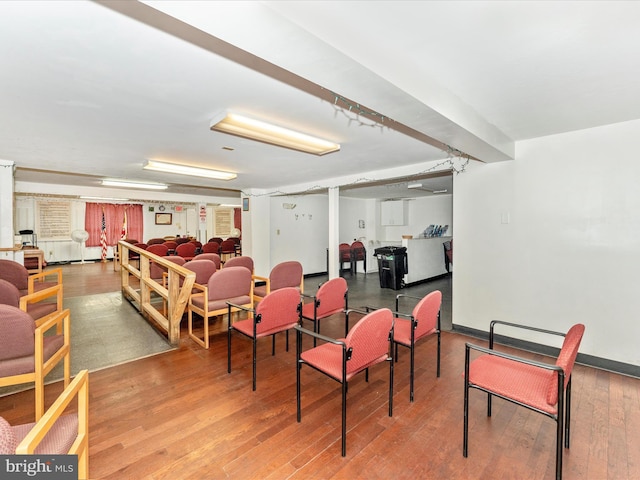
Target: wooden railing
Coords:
[[142, 290]]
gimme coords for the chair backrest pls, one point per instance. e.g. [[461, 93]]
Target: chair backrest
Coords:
[[344, 252], [566, 359], [235, 240], [158, 249], [228, 246], [426, 312], [230, 282], [369, 339], [358, 251], [187, 250], [242, 261], [330, 296], [278, 309], [218, 240], [155, 241], [171, 244], [9, 294], [211, 247], [143, 246], [17, 337], [181, 240], [286, 274], [15, 273], [156, 271], [202, 268], [212, 257], [130, 240]]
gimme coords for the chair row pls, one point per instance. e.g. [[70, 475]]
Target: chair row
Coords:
[[352, 254], [369, 342], [541, 387]]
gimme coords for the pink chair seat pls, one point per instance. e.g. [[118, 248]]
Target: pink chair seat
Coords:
[[58, 440]]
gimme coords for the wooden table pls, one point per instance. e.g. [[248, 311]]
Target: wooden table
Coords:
[[37, 254]]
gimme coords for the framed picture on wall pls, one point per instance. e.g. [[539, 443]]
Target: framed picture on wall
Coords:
[[163, 218], [245, 204]]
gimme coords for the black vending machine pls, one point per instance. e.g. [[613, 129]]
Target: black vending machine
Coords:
[[392, 266]]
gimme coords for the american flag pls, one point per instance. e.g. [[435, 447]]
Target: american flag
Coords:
[[123, 234], [103, 238]]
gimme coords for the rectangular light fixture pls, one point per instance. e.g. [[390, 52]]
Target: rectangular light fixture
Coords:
[[125, 184], [187, 170], [271, 134], [86, 197], [414, 185]]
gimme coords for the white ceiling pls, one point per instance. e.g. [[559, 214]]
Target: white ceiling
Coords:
[[92, 90]]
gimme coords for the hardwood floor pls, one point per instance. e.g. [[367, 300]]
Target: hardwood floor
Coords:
[[180, 415]]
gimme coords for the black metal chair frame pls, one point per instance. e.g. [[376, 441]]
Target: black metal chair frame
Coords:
[[346, 356], [256, 320], [412, 347], [563, 415], [316, 320]]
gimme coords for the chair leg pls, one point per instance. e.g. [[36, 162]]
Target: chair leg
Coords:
[[298, 367], [273, 345], [567, 414], [465, 434], [229, 349], [344, 418], [255, 362], [391, 387], [438, 360], [411, 372]]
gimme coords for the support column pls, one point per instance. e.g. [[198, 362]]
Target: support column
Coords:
[[7, 244], [334, 231]]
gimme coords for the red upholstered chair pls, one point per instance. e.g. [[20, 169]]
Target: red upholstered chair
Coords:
[[203, 269], [277, 312], [159, 249], [211, 247], [331, 298], [541, 387], [228, 285], [448, 254], [358, 254], [186, 250], [181, 240], [55, 433], [227, 250], [213, 257], [155, 241], [285, 274], [367, 344], [344, 255], [157, 272], [16, 273], [171, 246], [423, 321], [218, 240], [28, 353], [33, 304], [242, 261]]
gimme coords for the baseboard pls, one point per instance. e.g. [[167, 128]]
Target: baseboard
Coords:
[[583, 359]]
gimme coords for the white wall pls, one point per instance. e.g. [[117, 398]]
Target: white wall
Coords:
[[300, 233], [552, 239]]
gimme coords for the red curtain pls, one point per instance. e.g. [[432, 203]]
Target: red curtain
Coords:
[[237, 219], [114, 219]]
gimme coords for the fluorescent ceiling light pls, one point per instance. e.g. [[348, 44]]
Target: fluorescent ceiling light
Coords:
[[414, 185], [229, 205], [85, 197], [271, 134], [187, 170], [121, 183]]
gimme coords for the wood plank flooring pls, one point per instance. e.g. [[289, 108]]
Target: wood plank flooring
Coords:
[[180, 415]]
